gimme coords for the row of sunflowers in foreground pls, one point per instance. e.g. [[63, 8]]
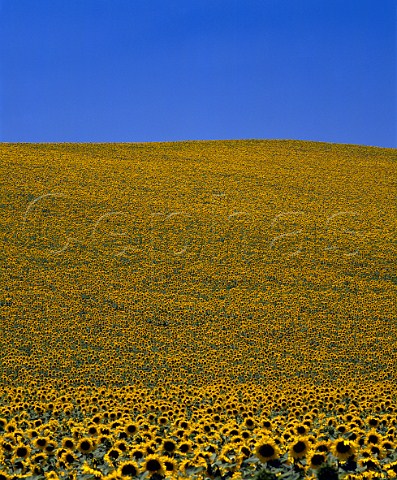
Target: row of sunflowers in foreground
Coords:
[[213, 432]]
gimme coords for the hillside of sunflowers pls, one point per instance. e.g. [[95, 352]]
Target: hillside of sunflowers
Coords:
[[198, 310]]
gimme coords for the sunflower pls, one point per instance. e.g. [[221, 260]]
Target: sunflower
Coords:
[[39, 458], [4, 476], [387, 446], [249, 423], [266, 449], [186, 465], [104, 440], [299, 447], [131, 429], [11, 427], [154, 464], [128, 468], [51, 446], [171, 466], [149, 448], [36, 470], [93, 430], [185, 447], [180, 433], [341, 428], [137, 453], [266, 424], [301, 429], [183, 424], [366, 452], [343, 449], [372, 421], [60, 452], [68, 457], [244, 451], [85, 446], [169, 446], [373, 437], [323, 446], [22, 451], [162, 420], [121, 434], [316, 459], [97, 419], [40, 442], [121, 445], [148, 436], [32, 433], [68, 442], [114, 453], [375, 450], [369, 463]]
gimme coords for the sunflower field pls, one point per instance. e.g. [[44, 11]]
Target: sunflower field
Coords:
[[198, 310]]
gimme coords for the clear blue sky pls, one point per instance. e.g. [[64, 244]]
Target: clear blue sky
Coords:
[[164, 70]]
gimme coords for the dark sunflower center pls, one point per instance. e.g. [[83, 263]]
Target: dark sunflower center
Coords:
[[318, 459], [299, 447], [114, 454], [85, 445], [327, 473], [266, 450], [169, 466], [169, 446], [21, 452], [341, 447], [128, 469], [373, 439], [369, 464], [153, 465], [245, 451]]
